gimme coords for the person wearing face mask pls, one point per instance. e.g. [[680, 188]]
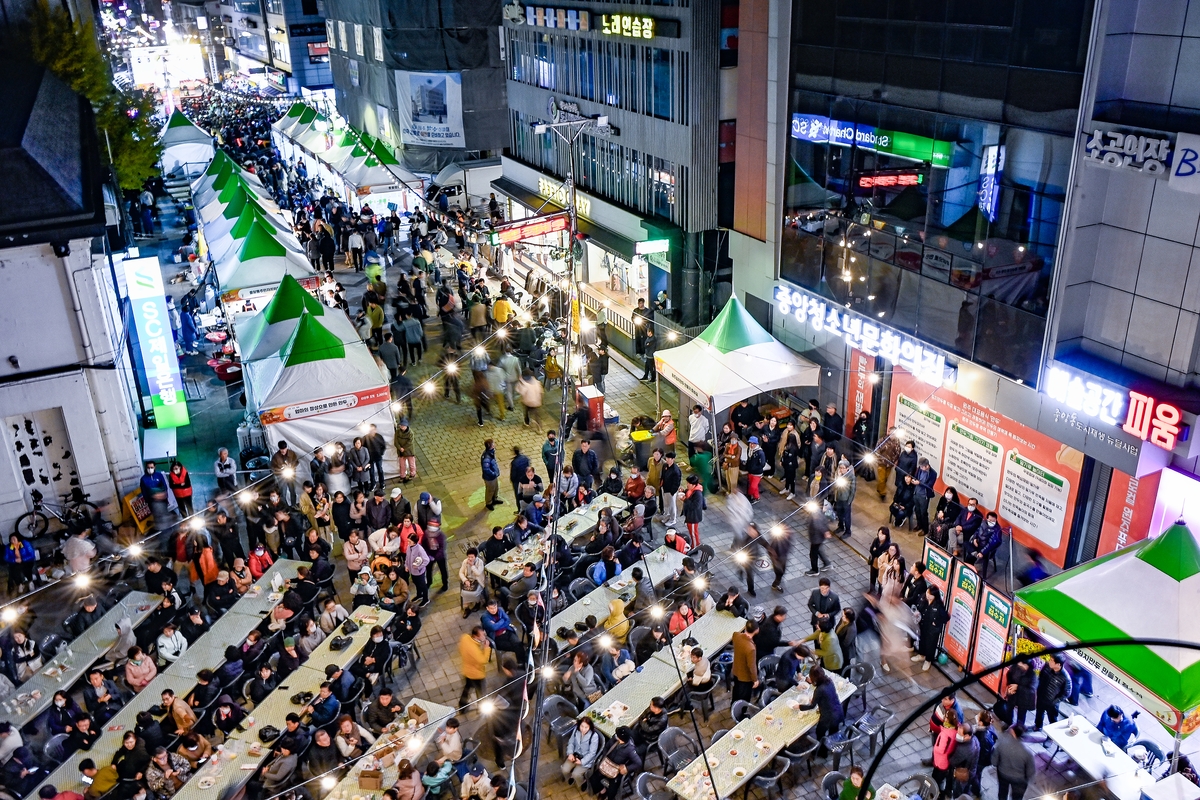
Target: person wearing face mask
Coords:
[[966, 524], [260, 560], [949, 506], [375, 656], [964, 761], [922, 482], [986, 541]]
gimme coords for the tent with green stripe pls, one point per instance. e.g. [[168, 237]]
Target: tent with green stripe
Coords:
[[284, 123], [260, 264], [186, 149], [219, 170], [733, 359], [317, 387], [227, 233], [267, 332], [1149, 590], [232, 199]]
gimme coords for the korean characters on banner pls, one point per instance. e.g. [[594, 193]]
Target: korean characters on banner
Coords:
[[1129, 149], [992, 627], [873, 340], [1128, 512], [937, 566], [858, 387], [1027, 478], [963, 604]]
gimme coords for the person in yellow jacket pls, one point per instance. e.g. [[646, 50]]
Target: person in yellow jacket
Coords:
[[475, 651], [617, 624], [501, 310]]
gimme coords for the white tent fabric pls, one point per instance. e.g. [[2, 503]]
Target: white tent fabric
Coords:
[[733, 359], [185, 146]]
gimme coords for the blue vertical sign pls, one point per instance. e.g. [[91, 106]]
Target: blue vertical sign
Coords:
[[989, 180], [156, 345]]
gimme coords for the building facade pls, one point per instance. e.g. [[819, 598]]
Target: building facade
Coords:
[[955, 238], [652, 176], [280, 44], [426, 76]]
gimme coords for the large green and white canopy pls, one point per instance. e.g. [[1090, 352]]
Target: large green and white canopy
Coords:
[[231, 200], [733, 359], [262, 260], [1149, 590], [266, 333], [291, 118], [226, 233]]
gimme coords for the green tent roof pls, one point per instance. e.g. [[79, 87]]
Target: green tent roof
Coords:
[[260, 242], [1175, 553], [296, 109], [178, 120], [734, 329], [381, 152], [345, 139], [312, 342], [291, 301], [252, 214], [307, 115], [220, 159]]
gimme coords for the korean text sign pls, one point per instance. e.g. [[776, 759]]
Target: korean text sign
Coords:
[[991, 634], [156, 344], [963, 604], [938, 565], [1030, 480]]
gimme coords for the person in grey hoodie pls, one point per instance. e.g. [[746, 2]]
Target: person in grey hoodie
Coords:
[[1015, 767]]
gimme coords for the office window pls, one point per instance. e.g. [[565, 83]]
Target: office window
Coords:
[[358, 39], [342, 37], [309, 8], [377, 35], [247, 6], [331, 32], [280, 51], [275, 7]]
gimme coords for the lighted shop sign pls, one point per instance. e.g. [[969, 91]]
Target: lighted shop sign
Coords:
[[873, 339], [652, 246], [890, 180], [559, 194], [630, 26], [143, 281], [1143, 416], [815, 128], [530, 228], [989, 180]]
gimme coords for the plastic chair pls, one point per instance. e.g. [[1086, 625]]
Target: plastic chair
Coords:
[[716, 737], [560, 714], [873, 724], [470, 753], [54, 750], [246, 688], [766, 669], [1154, 754], [704, 699], [744, 709], [702, 555], [652, 787], [861, 675], [678, 750], [831, 785], [801, 751], [50, 645], [768, 779], [580, 587], [769, 695], [925, 786], [841, 743]]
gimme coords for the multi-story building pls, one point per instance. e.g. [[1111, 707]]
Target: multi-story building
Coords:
[[426, 76], [974, 227], [648, 184], [64, 400], [281, 44]]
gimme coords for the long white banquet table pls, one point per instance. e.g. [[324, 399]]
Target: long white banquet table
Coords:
[[208, 652]]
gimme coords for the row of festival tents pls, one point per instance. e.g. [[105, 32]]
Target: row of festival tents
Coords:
[[186, 148], [365, 163]]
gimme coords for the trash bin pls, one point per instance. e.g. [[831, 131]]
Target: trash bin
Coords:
[[702, 466], [643, 446]]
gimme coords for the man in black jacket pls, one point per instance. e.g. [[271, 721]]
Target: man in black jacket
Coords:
[[824, 603], [913, 591], [585, 463], [833, 424], [1054, 685], [651, 725], [671, 480], [769, 636], [157, 574], [376, 445], [734, 603]]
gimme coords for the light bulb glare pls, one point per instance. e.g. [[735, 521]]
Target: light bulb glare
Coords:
[[328, 782], [82, 581], [487, 707], [9, 615]]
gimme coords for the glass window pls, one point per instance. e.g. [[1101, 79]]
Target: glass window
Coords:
[[247, 6], [661, 82], [280, 51], [275, 7]]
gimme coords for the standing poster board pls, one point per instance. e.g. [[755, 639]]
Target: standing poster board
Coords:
[[937, 567], [963, 603], [992, 626]]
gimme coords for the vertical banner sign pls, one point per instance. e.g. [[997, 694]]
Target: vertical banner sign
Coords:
[[858, 390], [143, 281], [937, 566], [963, 604], [1030, 480], [429, 105], [1128, 511], [991, 635]]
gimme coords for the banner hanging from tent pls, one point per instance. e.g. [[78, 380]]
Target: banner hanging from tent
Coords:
[[430, 108]]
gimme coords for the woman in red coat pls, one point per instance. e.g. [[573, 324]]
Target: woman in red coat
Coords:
[[181, 487]]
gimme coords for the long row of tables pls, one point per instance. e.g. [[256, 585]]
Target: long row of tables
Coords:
[[750, 746], [571, 526], [239, 758], [625, 703], [208, 652], [75, 658]]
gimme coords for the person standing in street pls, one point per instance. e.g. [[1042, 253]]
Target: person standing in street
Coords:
[[650, 373], [154, 492], [922, 492], [845, 486], [390, 355], [551, 454], [698, 430], [671, 478], [643, 322], [885, 461], [585, 464], [531, 393], [756, 463], [283, 467], [835, 426], [404, 450], [490, 470], [745, 663], [818, 532], [475, 651], [1015, 767], [376, 448], [226, 471]]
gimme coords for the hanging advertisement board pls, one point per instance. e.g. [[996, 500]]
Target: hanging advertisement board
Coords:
[[963, 604], [992, 625], [429, 105], [159, 361], [937, 566], [1027, 478], [1128, 511]]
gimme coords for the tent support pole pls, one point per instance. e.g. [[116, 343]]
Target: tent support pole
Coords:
[[1175, 754], [657, 395], [1011, 551], [712, 415]]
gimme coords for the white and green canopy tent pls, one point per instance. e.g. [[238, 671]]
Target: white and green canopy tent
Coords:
[[318, 389], [316, 136], [249, 277], [186, 149], [733, 359], [1149, 590], [265, 333], [285, 123], [379, 171], [231, 199], [219, 170], [227, 233], [225, 185]]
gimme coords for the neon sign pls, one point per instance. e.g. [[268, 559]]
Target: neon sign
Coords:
[[888, 181], [160, 364], [1144, 417], [531, 228]]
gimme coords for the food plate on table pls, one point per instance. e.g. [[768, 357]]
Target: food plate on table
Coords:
[[738, 735], [207, 782], [739, 772], [733, 753]]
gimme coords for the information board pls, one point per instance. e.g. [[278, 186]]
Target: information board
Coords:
[[992, 626], [963, 605], [937, 566]]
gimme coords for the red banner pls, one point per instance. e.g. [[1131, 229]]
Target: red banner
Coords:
[[858, 387], [325, 405], [1030, 480], [1128, 511]]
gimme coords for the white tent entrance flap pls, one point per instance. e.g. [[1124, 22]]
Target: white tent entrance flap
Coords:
[[733, 359]]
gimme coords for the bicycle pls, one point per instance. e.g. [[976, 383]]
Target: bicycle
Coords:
[[75, 511]]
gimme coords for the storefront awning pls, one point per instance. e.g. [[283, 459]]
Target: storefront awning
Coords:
[[604, 237]]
